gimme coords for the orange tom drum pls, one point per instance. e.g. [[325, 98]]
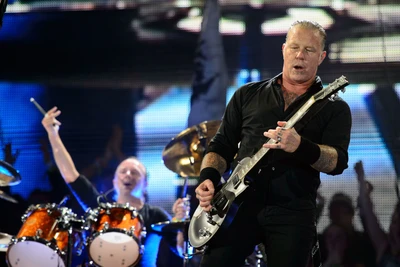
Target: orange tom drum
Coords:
[[115, 236], [43, 237]]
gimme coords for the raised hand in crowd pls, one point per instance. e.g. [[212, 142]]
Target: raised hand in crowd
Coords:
[[387, 245]]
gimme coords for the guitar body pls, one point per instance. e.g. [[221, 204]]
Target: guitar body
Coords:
[[206, 224]]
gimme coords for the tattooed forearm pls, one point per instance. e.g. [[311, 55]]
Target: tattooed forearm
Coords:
[[214, 160], [327, 160]]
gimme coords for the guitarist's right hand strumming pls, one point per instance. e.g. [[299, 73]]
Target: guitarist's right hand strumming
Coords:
[[204, 193]]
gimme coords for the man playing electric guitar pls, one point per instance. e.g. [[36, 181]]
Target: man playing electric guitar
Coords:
[[279, 207]]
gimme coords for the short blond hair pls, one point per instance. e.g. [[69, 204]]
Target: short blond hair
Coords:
[[312, 25]]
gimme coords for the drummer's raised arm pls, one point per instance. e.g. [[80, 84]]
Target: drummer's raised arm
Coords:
[[61, 156]]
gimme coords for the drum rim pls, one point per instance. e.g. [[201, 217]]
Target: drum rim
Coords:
[[61, 254], [119, 230], [115, 205], [52, 206], [51, 244], [108, 205]]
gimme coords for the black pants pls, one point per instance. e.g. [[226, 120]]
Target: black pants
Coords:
[[288, 237]]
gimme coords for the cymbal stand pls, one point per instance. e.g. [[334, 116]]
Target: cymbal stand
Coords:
[[187, 248], [69, 247]]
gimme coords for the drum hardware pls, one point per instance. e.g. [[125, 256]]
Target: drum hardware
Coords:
[[106, 224], [259, 258], [5, 239], [47, 237], [143, 233], [7, 197], [8, 175], [132, 230], [39, 233]]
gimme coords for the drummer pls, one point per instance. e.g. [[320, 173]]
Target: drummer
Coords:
[[130, 183]]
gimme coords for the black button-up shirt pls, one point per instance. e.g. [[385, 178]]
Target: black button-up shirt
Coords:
[[287, 180]]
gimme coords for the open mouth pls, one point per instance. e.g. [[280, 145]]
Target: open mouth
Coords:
[[298, 67], [127, 184]]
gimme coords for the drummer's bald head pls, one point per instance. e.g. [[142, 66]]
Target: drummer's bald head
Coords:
[[140, 166], [3, 6]]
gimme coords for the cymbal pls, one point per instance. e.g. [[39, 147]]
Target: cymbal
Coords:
[[4, 196], [170, 226], [4, 241], [184, 153], [8, 175]]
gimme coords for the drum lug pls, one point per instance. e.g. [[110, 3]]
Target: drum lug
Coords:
[[38, 233], [106, 226], [92, 214], [143, 233], [24, 217]]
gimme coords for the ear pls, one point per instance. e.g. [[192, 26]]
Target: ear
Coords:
[[283, 48], [322, 57]]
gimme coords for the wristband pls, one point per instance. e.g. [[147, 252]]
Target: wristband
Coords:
[[210, 173], [307, 151]]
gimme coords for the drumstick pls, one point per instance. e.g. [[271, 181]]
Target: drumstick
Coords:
[[38, 106]]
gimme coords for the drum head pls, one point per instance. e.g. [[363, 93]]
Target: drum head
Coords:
[[33, 254], [113, 249]]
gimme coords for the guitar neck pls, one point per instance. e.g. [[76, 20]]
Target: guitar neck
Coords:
[[289, 124]]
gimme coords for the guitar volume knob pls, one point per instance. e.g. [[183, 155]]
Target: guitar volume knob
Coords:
[[204, 233]]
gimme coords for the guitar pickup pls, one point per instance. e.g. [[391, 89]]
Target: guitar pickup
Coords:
[[236, 181], [220, 203], [210, 218]]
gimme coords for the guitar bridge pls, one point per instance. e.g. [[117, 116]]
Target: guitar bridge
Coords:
[[204, 233]]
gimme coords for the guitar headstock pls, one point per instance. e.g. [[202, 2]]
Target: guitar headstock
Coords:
[[332, 89]]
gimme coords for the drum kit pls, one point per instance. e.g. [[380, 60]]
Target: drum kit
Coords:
[[112, 233]]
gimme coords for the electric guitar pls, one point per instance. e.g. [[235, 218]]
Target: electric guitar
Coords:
[[204, 224]]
